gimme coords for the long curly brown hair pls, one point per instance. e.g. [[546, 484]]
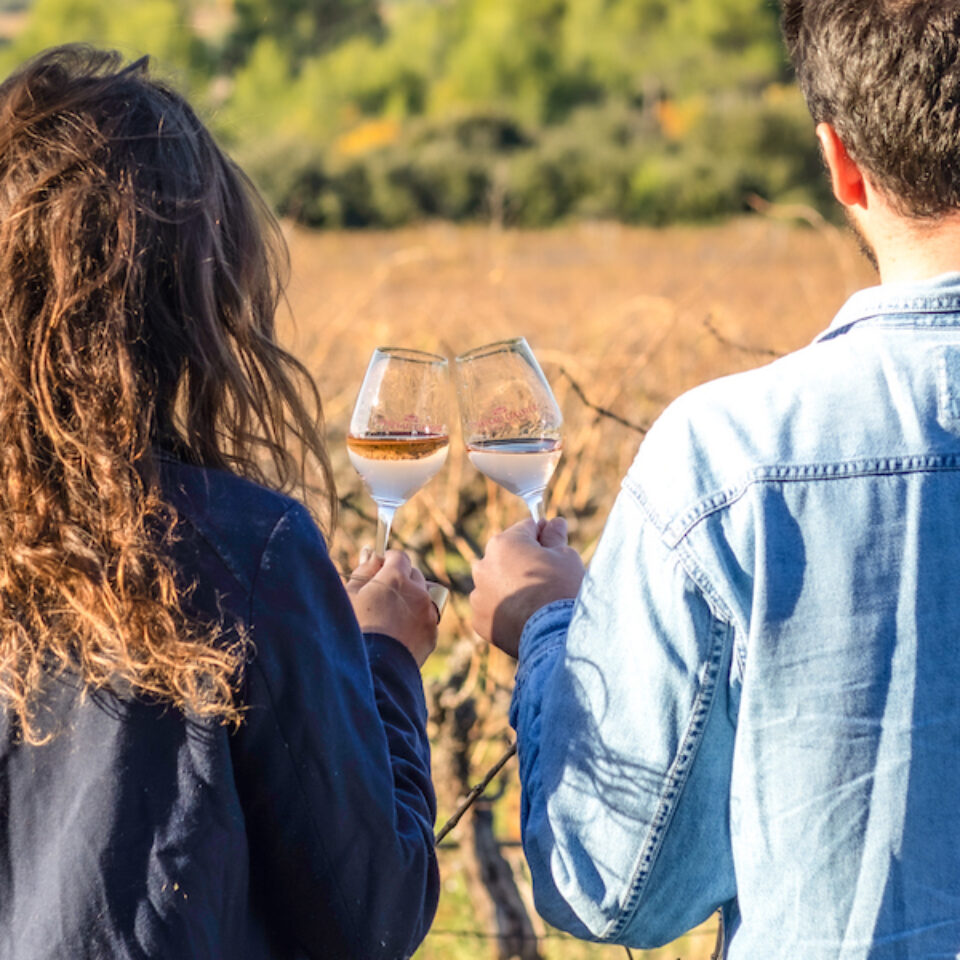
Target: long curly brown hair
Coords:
[[140, 273]]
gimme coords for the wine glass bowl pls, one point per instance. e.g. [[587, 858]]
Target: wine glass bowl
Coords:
[[399, 436], [511, 421]]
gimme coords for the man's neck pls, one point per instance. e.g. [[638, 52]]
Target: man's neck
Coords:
[[910, 250]]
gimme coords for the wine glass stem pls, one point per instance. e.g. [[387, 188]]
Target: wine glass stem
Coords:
[[535, 505], [384, 522]]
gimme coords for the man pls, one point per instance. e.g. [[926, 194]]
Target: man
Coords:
[[753, 701]]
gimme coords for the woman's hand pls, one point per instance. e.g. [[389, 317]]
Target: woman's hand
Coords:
[[389, 596], [524, 568]]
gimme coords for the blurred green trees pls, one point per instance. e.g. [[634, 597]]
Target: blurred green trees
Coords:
[[300, 28], [135, 26], [353, 112]]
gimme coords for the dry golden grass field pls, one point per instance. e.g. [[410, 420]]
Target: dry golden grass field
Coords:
[[621, 319]]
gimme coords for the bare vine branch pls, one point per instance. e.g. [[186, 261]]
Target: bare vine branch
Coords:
[[600, 411], [733, 345], [474, 795]]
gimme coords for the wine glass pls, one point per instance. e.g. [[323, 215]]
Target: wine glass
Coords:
[[398, 437], [511, 421]]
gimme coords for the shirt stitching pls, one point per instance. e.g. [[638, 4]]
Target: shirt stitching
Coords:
[[694, 571], [677, 529], [675, 781], [715, 601], [688, 561], [554, 642]]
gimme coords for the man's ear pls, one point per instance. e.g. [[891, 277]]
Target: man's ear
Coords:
[[849, 185]]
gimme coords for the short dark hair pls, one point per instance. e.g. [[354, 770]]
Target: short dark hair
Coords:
[[886, 75]]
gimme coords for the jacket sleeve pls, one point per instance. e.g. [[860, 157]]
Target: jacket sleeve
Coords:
[[332, 764], [625, 742]]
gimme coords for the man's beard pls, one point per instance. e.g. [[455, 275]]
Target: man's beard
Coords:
[[865, 248]]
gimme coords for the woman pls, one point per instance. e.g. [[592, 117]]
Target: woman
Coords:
[[200, 756]]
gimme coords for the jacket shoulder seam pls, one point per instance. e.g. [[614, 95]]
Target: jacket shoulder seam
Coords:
[[683, 522]]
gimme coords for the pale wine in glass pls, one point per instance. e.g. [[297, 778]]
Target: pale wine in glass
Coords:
[[511, 421]]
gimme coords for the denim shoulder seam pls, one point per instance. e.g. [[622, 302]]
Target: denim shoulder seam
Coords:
[[684, 521], [675, 781], [641, 499], [719, 609], [694, 571], [688, 518]]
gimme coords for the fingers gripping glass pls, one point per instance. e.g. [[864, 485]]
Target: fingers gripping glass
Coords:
[[511, 421], [399, 434]]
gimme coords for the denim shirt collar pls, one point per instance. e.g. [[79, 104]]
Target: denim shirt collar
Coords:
[[934, 302]]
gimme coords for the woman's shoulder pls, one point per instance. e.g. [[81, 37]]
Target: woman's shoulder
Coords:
[[234, 517]]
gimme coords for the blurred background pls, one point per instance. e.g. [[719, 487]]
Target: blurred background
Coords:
[[632, 185], [359, 113]]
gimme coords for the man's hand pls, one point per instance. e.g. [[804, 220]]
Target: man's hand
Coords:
[[389, 596], [525, 568]]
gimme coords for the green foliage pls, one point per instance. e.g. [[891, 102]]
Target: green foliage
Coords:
[[135, 27], [354, 113], [610, 161], [300, 28], [636, 47]]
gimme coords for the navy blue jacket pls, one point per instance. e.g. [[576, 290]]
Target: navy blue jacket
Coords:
[[307, 833]]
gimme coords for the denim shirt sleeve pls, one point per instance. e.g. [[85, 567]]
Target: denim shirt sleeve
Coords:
[[625, 742], [332, 763]]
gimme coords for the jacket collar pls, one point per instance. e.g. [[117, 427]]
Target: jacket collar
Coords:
[[935, 300]]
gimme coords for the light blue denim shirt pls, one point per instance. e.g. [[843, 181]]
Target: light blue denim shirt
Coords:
[[755, 700]]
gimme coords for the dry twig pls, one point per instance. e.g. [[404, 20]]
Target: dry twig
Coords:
[[600, 411], [474, 795]]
